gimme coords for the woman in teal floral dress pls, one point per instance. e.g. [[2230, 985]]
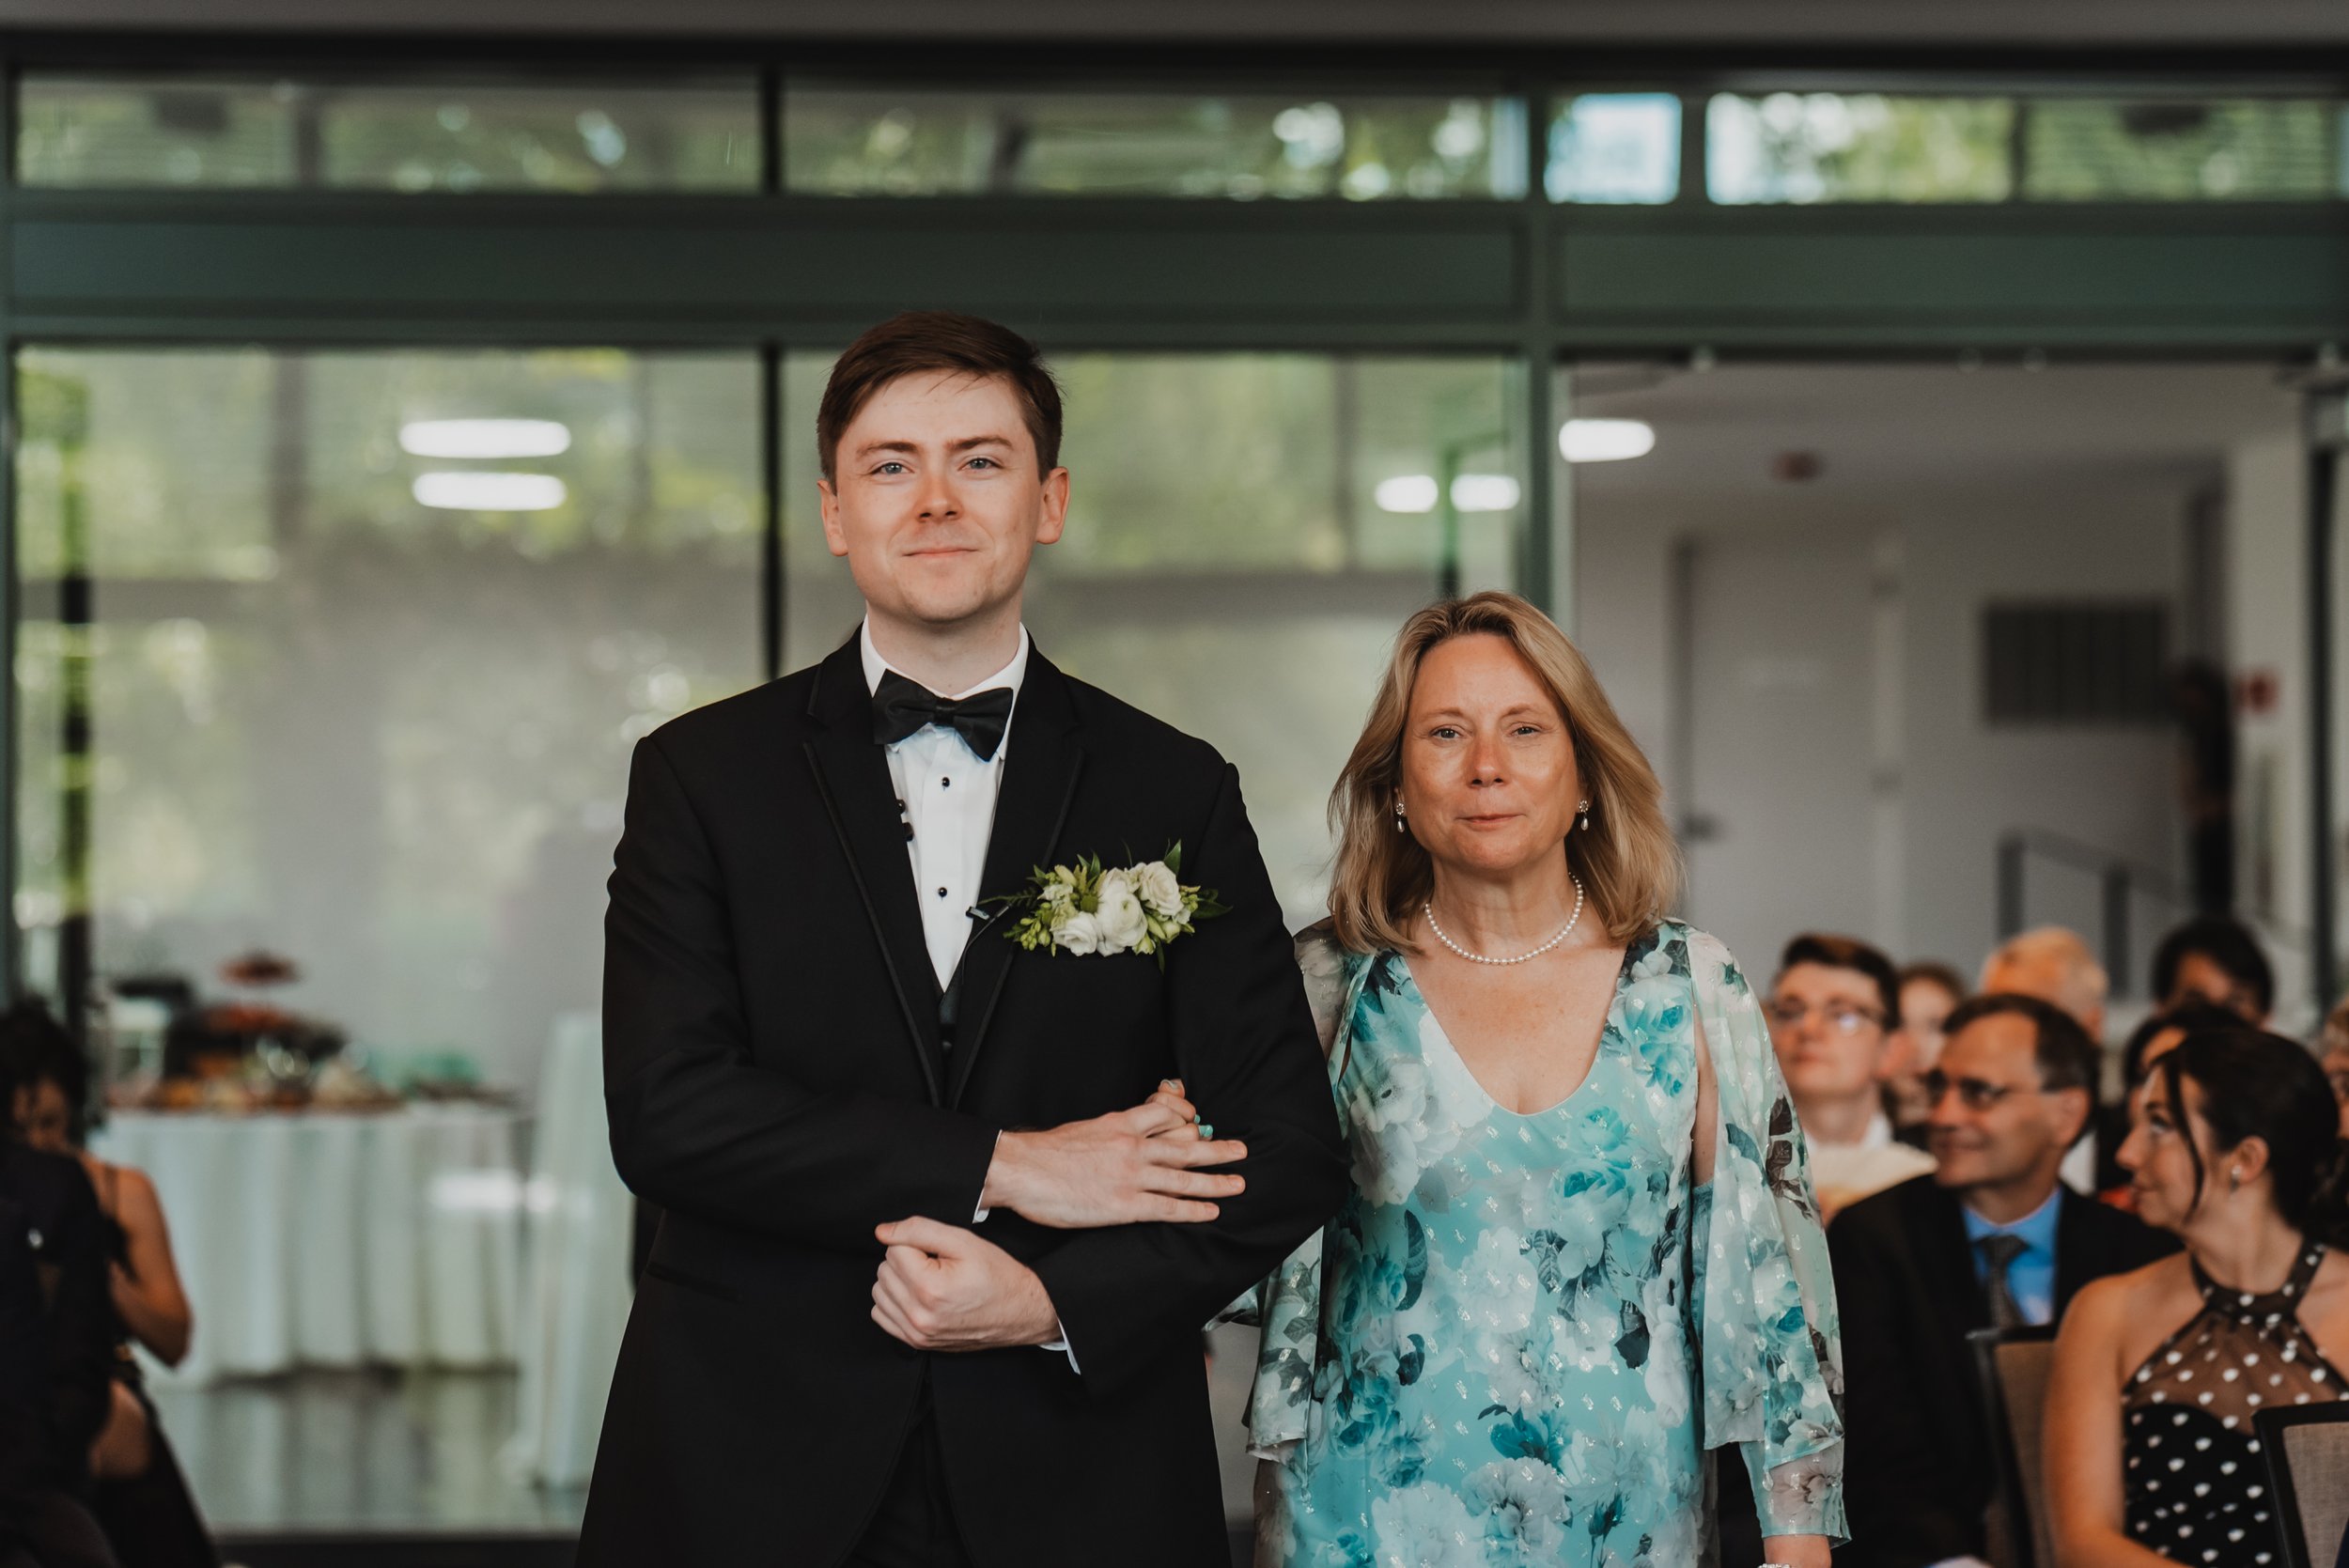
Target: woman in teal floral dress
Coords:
[[1582, 1247]]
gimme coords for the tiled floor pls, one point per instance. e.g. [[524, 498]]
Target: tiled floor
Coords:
[[344, 1451], [329, 1468]]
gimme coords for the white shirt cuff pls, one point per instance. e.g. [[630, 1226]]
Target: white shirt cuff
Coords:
[[1061, 1344]]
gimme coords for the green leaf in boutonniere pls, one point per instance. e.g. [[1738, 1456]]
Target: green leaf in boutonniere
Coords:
[[1086, 908]]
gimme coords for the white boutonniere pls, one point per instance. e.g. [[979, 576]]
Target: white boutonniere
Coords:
[[1086, 907]]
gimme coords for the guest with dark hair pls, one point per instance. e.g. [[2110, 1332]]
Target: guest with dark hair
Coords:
[[1992, 1238], [41, 1525], [1929, 991], [59, 1353], [141, 1499], [1830, 1012], [2160, 1372], [2214, 959], [2147, 1044]]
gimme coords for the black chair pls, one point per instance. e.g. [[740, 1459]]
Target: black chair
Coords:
[[2306, 1451], [2010, 1368]]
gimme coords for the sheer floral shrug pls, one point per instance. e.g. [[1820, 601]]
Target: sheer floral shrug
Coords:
[[1493, 1274]]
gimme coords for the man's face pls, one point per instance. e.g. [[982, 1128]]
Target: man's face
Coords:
[[1829, 1027], [1991, 1122], [937, 499], [2201, 979]]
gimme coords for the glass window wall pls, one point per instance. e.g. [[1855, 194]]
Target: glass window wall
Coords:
[[340, 656], [1801, 147], [413, 136], [859, 141], [2172, 149], [1616, 148]]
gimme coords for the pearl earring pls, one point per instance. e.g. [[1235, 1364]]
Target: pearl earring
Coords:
[[1585, 809], [1398, 816]]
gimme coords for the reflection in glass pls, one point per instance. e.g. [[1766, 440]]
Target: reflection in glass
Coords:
[[920, 142], [1615, 148], [1231, 563], [1798, 147], [385, 737], [2244, 149], [453, 135]]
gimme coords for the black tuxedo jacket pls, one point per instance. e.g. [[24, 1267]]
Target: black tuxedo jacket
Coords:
[[1918, 1468], [777, 1081]]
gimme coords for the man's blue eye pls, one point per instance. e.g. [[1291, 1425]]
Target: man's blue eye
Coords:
[[988, 462]]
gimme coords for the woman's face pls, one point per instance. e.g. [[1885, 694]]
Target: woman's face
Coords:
[[1489, 783], [1924, 1004], [2156, 1156], [45, 1118], [2337, 1074]]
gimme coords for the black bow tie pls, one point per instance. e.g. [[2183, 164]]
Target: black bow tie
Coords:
[[902, 707]]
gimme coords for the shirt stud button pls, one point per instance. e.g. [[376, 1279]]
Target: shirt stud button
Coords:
[[942, 892]]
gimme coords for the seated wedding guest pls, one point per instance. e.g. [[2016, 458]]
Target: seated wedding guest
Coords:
[[1991, 1239], [2054, 965], [48, 1206], [1928, 991], [142, 1501], [1830, 1011], [2147, 1044], [2336, 1063], [1564, 1116], [2160, 1372], [41, 1525], [2214, 959]]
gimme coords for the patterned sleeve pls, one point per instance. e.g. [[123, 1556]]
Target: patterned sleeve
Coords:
[[1772, 1354], [1287, 1306]]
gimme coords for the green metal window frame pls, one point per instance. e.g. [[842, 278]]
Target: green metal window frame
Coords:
[[1537, 282]]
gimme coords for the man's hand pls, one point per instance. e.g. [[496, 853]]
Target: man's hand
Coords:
[[1150, 1163], [943, 1288]]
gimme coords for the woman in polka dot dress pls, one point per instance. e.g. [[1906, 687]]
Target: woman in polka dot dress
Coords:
[[2151, 1452]]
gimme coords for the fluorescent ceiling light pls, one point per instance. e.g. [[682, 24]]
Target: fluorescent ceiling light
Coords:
[[476, 492], [1605, 441], [1483, 492], [1405, 492], [485, 438]]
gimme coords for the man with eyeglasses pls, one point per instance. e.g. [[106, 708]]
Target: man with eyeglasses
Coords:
[[1831, 1011], [1992, 1238]]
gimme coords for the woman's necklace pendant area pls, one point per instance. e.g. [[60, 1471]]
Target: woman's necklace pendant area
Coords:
[[1427, 908]]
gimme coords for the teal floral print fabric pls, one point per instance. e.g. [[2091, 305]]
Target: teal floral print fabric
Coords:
[[1515, 1339]]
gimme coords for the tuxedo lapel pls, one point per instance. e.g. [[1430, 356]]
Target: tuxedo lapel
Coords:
[[1040, 773], [852, 776]]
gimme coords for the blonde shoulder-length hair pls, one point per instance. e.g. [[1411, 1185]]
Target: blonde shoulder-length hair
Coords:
[[1628, 861]]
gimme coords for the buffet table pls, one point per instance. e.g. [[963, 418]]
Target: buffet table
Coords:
[[337, 1238]]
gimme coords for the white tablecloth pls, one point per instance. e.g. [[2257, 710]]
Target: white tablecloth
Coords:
[[336, 1239], [576, 1290]]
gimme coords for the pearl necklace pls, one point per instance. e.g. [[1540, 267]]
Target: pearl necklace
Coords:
[[1428, 908]]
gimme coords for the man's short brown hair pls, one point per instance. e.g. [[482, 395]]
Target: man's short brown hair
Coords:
[[922, 341]]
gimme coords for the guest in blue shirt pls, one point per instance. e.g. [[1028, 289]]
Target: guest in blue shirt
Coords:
[[1991, 1238], [2030, 1269]]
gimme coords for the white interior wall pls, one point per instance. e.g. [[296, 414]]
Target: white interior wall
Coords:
[[1967, 781], [2266, 539], [1961, 783]]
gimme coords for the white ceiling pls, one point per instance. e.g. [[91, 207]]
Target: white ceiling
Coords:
[[1826, 21], [1882, 431]]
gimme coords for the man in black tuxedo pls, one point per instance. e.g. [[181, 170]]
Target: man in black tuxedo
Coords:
[[1991, 1238], [941, 1225]]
